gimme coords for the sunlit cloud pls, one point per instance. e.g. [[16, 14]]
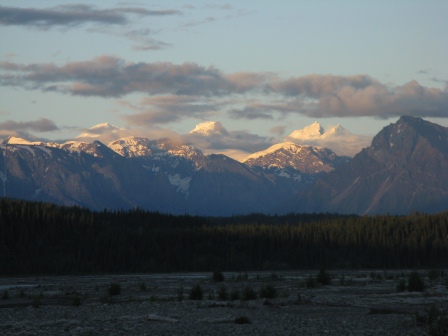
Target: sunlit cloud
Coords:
[[40, 125], [175, 91]]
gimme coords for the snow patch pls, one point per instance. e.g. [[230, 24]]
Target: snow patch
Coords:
[[288, 146], [36, 192], [182, 184], [27, 148], [46, 150]]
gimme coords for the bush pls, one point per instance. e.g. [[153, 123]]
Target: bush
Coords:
[[268, 292], [310, 283], [433, 274], [5, 295], [196, 293], [76, 301], [248, 294], [436, 320], [142, 286], [114, 289], [243, 320], [234, 294], [218, 276], [180, 294], [222, 293], [401, 286], [415, 283], [323, 278], [36, 302]]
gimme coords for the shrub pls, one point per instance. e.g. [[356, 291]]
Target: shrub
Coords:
[[180, 294], [436, 320], [5, 295], [218, 276], [242, 277], [114, 289], [76, 301], [196, 293], [248, 294], [415, 283], [268, 292], [142, 286], [243, 320], [323, 278], [222, 293], [433, 274], [36, 302], [401, 286], [310, 283], [234, 294], [274, 276]]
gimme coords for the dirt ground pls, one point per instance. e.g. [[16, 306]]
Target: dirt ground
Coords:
[[354, 303]]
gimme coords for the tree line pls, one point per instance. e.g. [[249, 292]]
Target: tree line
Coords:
[[41, 238]]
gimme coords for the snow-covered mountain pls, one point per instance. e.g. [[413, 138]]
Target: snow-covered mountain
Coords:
[[104, 132], [335, 138], [404, 168], [209, 128], [300, 163], [307, 159], [313, 131]]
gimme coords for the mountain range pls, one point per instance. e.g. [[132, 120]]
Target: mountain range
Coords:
[[404, 169]]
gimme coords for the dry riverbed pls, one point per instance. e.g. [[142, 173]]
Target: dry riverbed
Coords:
[[355, 303]]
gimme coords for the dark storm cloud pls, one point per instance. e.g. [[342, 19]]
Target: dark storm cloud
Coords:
[[73, 15], [261, 95], [40, 125]]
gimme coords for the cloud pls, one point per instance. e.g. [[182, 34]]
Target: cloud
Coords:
[[40, 125], [260, 95], [108, 76], [277, 130], [73, 15], [239, 141], [169, 108]]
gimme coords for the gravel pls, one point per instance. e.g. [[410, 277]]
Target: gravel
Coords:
[[151, 305]]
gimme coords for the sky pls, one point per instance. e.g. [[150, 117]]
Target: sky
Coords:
[[262, 69]]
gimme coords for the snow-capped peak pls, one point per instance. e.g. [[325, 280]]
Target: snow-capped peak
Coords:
[[97, 130], [288, 146], [337, 130], [131, 146], [209, 128], [12, 140], [315, 130]]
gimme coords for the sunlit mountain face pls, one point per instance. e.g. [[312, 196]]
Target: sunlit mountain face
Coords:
[[403, 170]]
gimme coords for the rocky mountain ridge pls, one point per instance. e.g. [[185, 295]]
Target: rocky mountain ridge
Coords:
[[404, 170]]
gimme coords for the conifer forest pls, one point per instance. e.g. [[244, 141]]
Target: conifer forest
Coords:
[[46, 239]]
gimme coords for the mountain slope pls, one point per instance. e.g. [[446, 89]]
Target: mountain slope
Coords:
[[306, 159], [404, 170], [97, 178], [335, 138]]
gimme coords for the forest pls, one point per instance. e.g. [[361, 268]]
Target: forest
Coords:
[[46, 239]]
